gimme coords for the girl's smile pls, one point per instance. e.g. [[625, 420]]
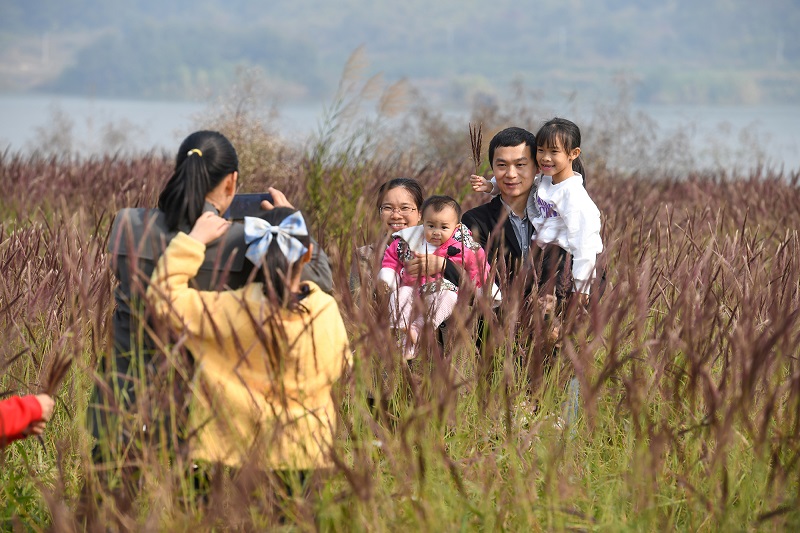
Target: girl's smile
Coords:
[[554, 161]]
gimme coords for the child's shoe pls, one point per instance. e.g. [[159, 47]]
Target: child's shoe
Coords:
[[410, 346], [410, 352], [406, 345]]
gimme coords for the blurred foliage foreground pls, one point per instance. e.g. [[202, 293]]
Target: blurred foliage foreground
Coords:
[[689, 407]]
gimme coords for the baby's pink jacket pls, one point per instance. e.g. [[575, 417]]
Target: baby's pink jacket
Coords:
[[468, 254]]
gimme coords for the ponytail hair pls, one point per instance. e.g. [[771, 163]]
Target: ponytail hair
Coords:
[[203, 160], [276, 272], [563, 132], [577, 166]]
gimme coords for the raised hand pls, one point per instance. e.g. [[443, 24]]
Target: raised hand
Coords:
[[480, 184], [209, 227], [278, 200], [47, 403]]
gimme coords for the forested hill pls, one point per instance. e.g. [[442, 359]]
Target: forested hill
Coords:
[[717, 51]]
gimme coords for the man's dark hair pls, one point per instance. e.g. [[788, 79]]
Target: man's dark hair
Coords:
[[512, 137], [439, 202]]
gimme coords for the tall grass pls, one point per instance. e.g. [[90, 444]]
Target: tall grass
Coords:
[[689, 409]]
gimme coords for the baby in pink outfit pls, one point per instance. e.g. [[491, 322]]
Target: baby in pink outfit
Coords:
[[440, 234]]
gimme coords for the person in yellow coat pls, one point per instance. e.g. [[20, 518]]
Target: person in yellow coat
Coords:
[[267, 354]]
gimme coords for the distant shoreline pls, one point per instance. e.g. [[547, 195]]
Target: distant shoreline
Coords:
[[722, 132]]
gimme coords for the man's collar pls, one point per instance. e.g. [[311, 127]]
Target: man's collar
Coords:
[[531, 196]]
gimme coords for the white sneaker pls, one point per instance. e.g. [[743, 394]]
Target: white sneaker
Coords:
[[410, 352]]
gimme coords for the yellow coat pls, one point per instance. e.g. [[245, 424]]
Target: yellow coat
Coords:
[[263, 377]]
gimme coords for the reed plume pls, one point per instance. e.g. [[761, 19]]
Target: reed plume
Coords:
[[476, 139], [58, 371]]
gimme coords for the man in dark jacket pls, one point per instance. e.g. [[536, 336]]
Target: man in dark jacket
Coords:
[[503, 225]]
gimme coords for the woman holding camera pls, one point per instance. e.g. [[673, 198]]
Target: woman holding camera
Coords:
[[124, 404]]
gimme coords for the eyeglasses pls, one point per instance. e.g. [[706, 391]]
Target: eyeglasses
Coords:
[[403, 210]]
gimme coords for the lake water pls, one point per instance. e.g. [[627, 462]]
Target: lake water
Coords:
[[742, 134], [727, 135]]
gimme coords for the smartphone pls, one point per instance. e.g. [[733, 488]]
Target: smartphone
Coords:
[[246, 205]]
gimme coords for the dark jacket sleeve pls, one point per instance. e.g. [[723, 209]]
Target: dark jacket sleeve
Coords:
[[476, 220], [318, 269], [451, 272]]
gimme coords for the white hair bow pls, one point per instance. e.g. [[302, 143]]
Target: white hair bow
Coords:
[[258, 234]]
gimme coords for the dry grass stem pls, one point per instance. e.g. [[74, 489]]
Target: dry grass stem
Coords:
[[476, 139]]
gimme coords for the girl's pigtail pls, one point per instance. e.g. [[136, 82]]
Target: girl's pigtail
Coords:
[[577, 166], [275, 271]]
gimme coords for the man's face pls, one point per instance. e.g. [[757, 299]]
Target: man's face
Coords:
[[514, 169]]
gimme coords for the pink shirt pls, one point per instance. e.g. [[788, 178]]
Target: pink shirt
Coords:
[[460, 248]]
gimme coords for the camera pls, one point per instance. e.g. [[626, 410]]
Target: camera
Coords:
[[246, 205]]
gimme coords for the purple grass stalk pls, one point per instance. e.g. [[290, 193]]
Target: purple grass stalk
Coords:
[[476, 139]]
